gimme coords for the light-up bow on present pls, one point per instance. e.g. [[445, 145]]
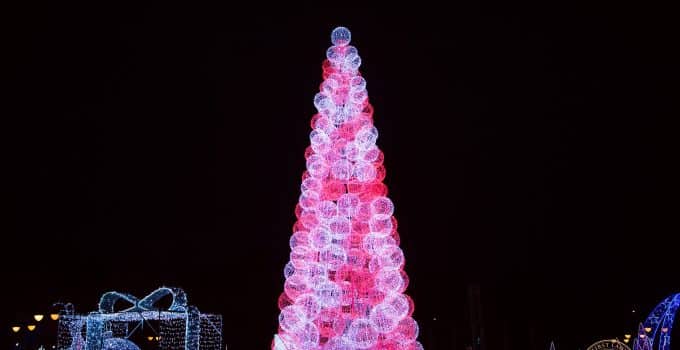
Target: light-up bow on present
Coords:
[[108, 301]]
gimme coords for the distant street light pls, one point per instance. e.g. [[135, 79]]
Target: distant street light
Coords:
[[16, 329], [648, 329], [54, 317], [38, 317], [150, 338], [31, 327], [664, 329], [627, 336]]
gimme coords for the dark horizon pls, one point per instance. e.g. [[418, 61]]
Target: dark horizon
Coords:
[[528, 150]]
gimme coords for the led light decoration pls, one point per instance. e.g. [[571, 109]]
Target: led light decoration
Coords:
[[345, 282], [655, 331], [119, 344], [178, 327]]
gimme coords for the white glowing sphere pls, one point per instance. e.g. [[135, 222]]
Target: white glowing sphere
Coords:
[[361, 334], [320, 237], [323, 102], [384, 318], [334, 54], [389, 281], [340, 227], [347, 204], [295, 285], [328, 294], [341, 36], [333, 256], [118, 344], [399, 304], [382, 206], [371, 154], [316, 166], [311, 184], [291, 318], [392, 258], [350, 53], [355, 62], [341, 170], [329, 86], [340, 116], [301, 256], [308, 199], [364, 171], [312, 271], [309, 305], [380, 225], [358, 97], [299, 238], [366, 137], [357, 83], [320, 142], [350, 151], [289, 270], [373, 242], [308, 336], [327, 210], [407, 330]]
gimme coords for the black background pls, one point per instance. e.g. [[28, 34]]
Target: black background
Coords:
[[529, 150]]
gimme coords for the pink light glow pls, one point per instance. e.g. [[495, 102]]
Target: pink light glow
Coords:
[[345, 281]]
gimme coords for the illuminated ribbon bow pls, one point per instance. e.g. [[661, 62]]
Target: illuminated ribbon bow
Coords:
[[179, 301]]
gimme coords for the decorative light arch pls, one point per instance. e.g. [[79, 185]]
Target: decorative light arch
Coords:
[[655, 332]]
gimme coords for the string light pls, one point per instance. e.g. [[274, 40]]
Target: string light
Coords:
[[345, 280], [180, 326]]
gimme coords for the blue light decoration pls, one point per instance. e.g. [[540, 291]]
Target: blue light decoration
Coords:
[[119, 344], [180, 326], [655, 332]]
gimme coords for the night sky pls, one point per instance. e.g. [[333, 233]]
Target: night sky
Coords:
[[529, 150]]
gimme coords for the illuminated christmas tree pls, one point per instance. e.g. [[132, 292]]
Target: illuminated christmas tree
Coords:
[[345, 281]]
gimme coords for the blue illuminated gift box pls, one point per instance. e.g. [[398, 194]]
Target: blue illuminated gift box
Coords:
[[178, 327]]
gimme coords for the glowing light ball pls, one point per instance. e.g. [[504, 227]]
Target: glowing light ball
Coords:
[[345, 281], [118, 344]]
